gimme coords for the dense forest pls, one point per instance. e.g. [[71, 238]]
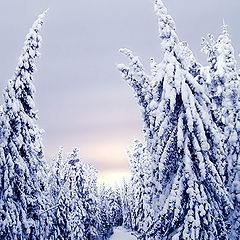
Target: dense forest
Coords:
[[185, 174]]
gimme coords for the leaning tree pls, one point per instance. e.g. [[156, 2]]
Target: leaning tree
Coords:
[[186, 153], [21, 147]]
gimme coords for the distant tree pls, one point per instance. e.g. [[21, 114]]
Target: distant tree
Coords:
[[56, 179], [106, 224], [127, 203], [74, 211], [51, 228], [92, 220], [137, 184], [21, 148], [75, 198], [115, 207], [140, 180], [223, 88], [188, 194], [110, 210], [67, 190]]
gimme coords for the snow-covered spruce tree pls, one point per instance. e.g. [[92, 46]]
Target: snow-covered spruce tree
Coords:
[[190, 200], [118, 210], [21, 147], [132, 189], [106, 225], [222, 83], [144, 92], [136, 194], [110, 210], [56, 177], [126, 204], [68, 217], [141, 204], [56, 171], [75, 197], [92, 220], [137, 184], [115, 207], [74, 206]]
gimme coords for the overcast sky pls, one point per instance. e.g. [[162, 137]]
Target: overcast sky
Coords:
[[81, 98]]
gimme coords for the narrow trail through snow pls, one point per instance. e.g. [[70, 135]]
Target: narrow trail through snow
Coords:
[[122, 234]]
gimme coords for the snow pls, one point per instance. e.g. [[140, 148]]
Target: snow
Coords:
[[122, 234]]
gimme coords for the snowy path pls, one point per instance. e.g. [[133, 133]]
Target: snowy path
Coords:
[[122, 234]]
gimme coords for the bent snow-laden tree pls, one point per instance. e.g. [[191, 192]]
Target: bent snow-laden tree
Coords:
[[187, 157], [223, 86], [21, 148]]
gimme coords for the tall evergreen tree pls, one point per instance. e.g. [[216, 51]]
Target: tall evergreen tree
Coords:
[[21, 147], [224, 91], [223, 88], [190, 200]]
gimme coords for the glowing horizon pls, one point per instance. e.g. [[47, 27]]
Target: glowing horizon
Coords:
[[113, 178], [108, 157]]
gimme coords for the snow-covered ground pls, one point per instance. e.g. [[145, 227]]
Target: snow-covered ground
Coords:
[[122, 234]]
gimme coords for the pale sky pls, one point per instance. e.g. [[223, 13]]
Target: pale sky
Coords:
[[81, 98]]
